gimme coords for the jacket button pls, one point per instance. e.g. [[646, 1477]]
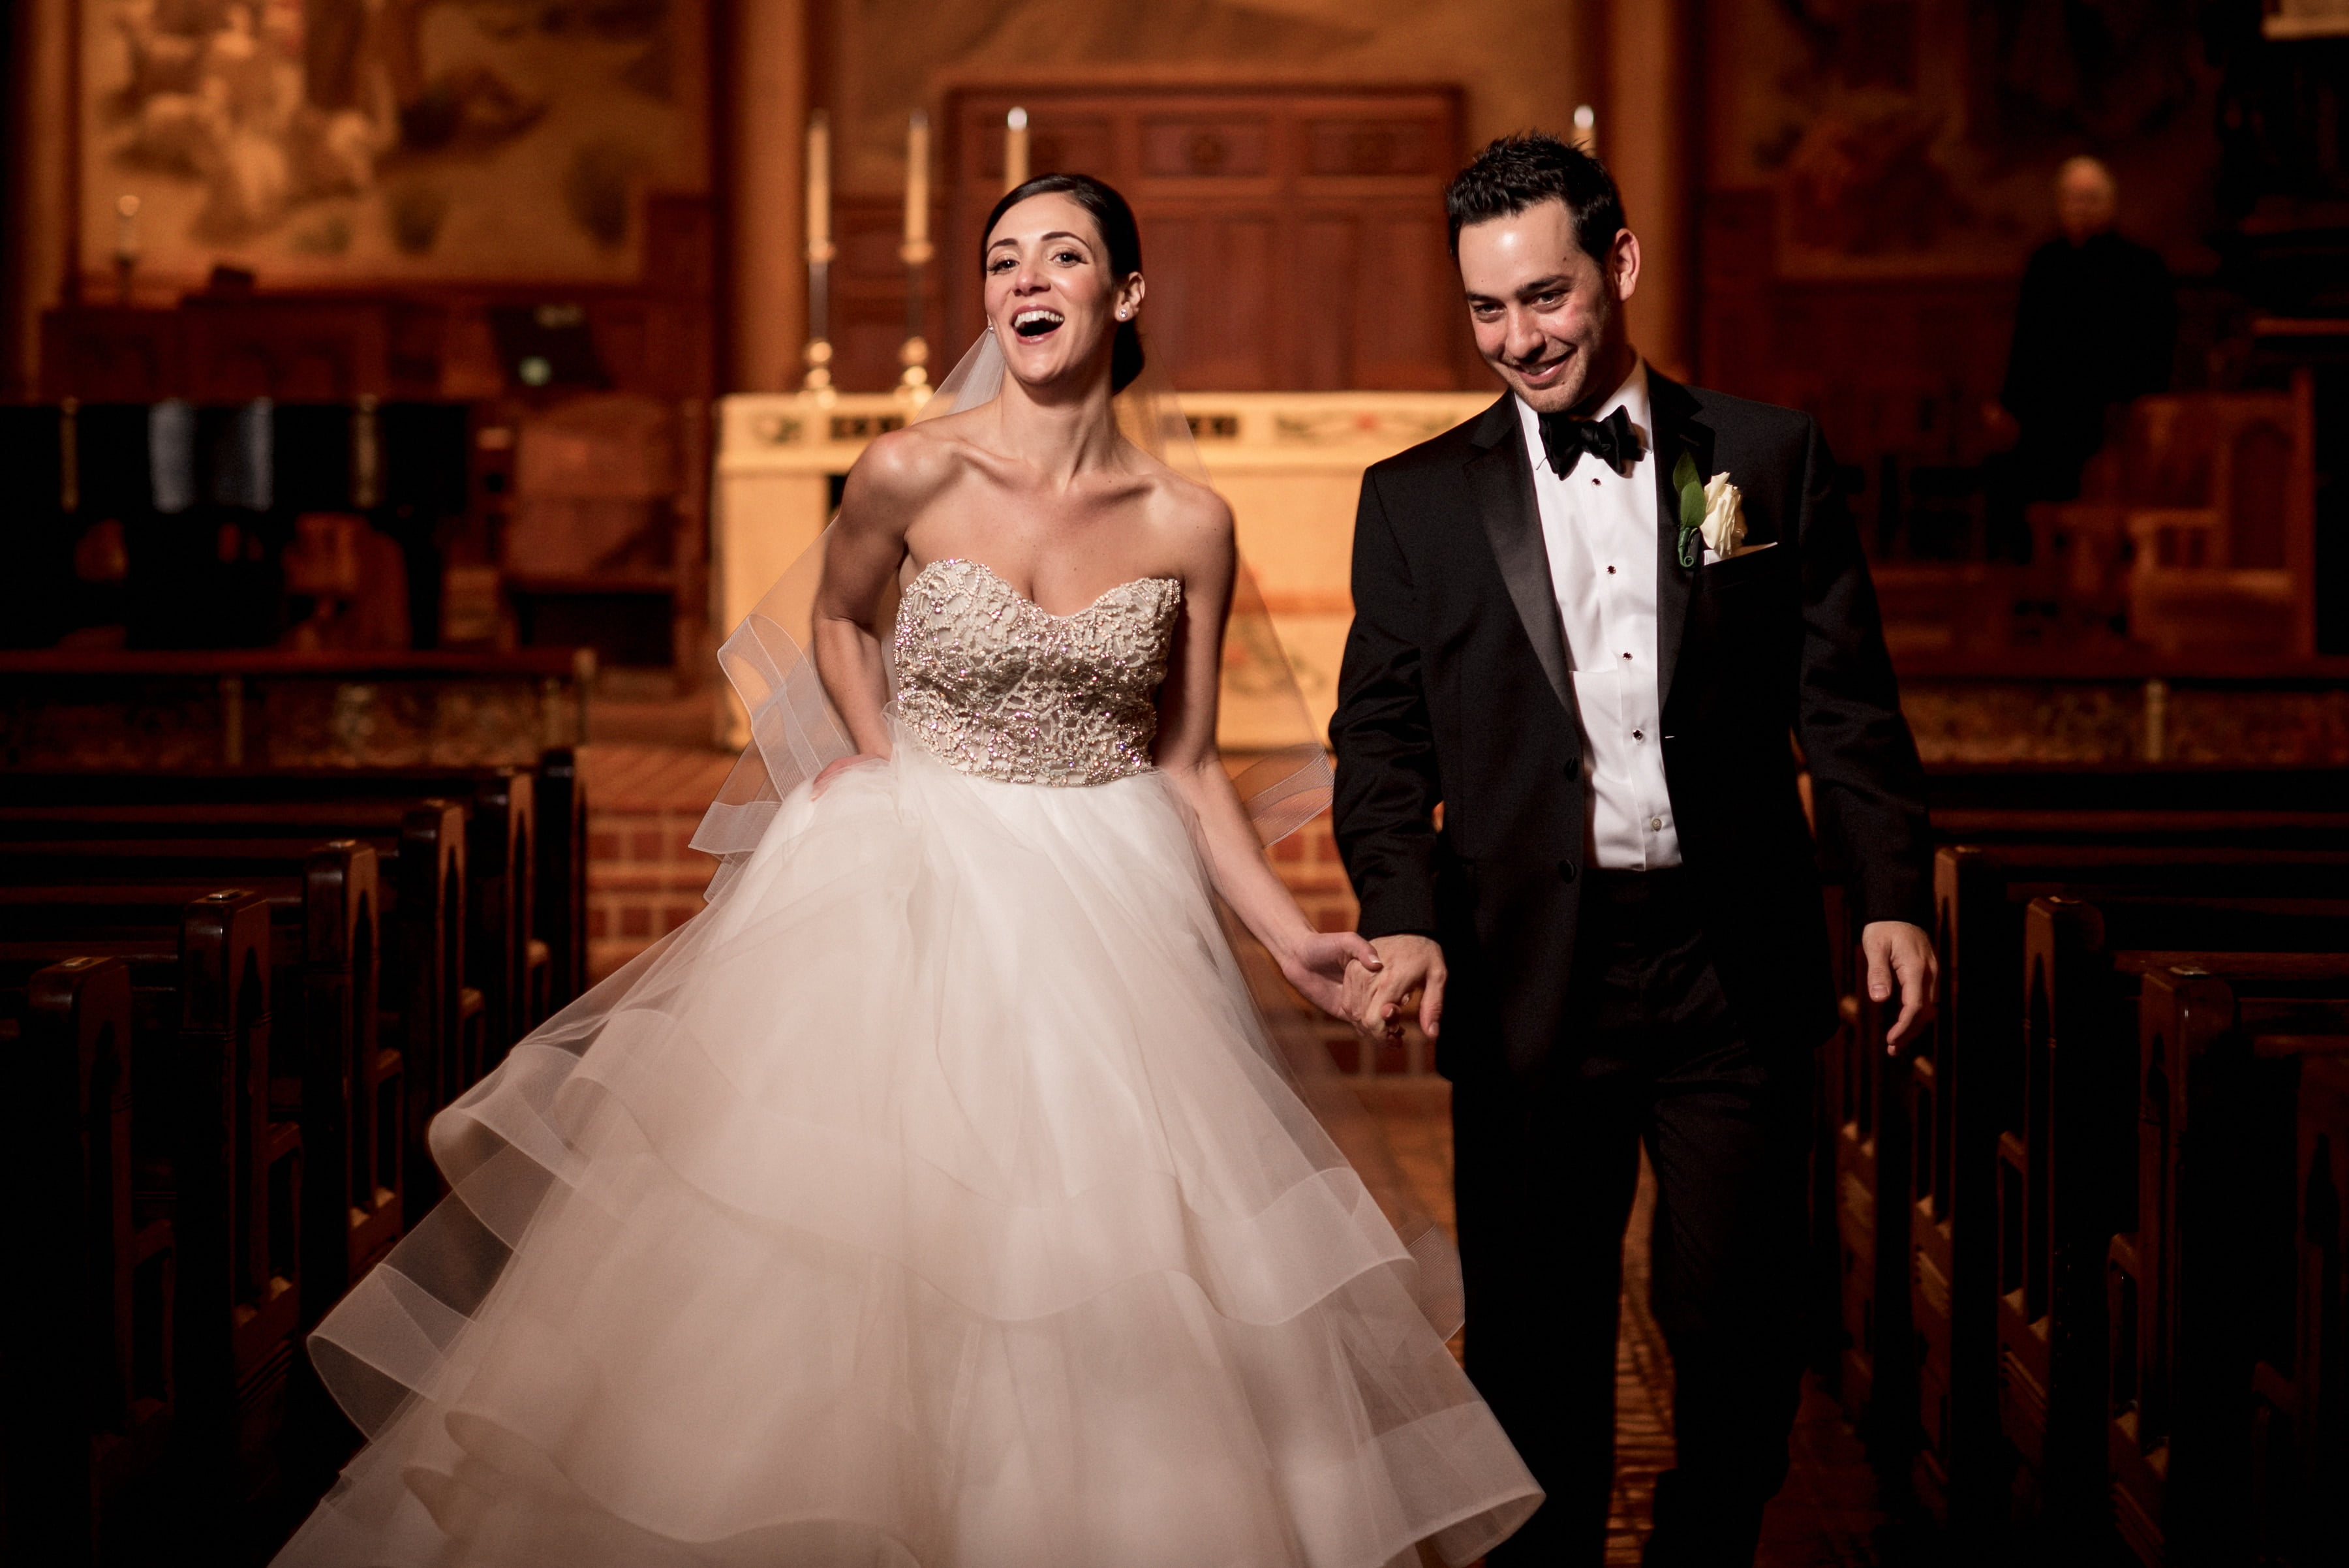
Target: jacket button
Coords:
[[1566, 871]]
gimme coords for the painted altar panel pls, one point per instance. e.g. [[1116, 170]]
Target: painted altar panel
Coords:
[[339, 142]]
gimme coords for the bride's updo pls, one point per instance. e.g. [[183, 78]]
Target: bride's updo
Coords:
[[1120, 236]]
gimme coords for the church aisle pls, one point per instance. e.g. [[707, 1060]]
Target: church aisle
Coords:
[[1828, 1515], [646, 799]]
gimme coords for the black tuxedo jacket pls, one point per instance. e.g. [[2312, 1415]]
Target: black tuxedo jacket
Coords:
[[1456, 692]]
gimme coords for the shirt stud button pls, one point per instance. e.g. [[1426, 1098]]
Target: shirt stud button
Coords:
[[1639, 736], [1610, 571], [1655, 825]]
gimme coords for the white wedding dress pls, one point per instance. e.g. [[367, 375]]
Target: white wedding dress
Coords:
[[934, 1198]]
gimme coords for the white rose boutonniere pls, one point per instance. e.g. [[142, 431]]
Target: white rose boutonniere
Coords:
[[1723, 527], [1712, 512]]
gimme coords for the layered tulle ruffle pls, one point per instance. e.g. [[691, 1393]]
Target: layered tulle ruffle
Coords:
[[934, 1198]]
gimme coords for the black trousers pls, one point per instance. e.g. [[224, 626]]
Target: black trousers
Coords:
[[1544, 1174]]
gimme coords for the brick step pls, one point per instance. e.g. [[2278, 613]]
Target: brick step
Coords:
[[643, 882], [644, 879]]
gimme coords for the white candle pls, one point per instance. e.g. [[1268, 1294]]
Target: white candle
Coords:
[[819, 187], [917, 182], [1585, 128], [1014, 148]]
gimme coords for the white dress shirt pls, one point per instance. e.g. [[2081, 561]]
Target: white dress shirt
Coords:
[[1600, 526]]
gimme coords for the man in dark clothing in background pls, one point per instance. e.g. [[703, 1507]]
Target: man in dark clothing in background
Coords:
[[2095, 326]]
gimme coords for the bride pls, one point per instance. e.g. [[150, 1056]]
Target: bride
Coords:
[[937, 1197]]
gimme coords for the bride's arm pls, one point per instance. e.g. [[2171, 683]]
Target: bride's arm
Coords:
[[1314, 961], [867, 543]]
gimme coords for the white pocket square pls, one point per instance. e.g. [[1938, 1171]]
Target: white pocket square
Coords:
[[1740, 553]]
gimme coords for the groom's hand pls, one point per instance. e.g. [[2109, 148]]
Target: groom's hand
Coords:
[[1376, 1001], [1895, 949]]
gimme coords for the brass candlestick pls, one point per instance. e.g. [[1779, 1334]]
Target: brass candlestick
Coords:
[[125, 246], [817, 383], [914, 384]]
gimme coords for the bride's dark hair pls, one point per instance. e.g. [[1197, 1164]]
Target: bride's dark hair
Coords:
[[1119, 235]]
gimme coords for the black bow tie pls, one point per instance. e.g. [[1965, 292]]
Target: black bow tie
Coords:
[[1566, 439]]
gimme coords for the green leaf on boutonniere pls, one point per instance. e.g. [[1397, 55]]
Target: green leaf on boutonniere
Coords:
[[1690, 487]]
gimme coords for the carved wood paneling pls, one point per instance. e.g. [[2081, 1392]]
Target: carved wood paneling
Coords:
[[1897, 370], [1293, 238], [397, 341], [868, 297]]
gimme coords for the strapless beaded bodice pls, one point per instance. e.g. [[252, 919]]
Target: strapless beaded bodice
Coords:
[[996, 686]]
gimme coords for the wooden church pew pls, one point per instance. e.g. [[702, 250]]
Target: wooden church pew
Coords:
[[1861, 1243], [207, 1152], [1971, 1081], [2298, 1507], [440, 1018], [528, 855], [2067, 1179], [1962, 1096], [560, 899], [331, 1072], [1968, 799], [1861, 1237], [493, 939], [2201, 1270], [86, 1346]]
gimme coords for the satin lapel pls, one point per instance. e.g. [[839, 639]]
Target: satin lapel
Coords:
[[1501, 479], [1678, 430]]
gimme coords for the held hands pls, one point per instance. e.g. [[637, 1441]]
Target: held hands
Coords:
[[1321, 966], [1377, 996], [833, 770], [1377, 993], [1895, 948]]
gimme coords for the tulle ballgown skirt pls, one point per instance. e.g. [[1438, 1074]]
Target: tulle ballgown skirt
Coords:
[[934, 1198]]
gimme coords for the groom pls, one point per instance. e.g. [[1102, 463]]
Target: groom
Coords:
[[1587, 623]]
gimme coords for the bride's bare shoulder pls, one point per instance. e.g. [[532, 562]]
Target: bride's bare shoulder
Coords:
[[912, 464], [1196, 520]]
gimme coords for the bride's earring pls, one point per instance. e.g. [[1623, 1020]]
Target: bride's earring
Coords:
[[1122, 313]]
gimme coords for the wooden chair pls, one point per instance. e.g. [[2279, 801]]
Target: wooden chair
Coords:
[[85, 1398], [2224, 557], [2200, 522]]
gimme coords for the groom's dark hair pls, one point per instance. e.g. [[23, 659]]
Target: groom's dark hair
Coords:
[[1515, 172]]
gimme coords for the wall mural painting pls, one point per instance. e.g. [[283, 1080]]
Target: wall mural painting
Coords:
[[1909, 137], [318, 142]]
